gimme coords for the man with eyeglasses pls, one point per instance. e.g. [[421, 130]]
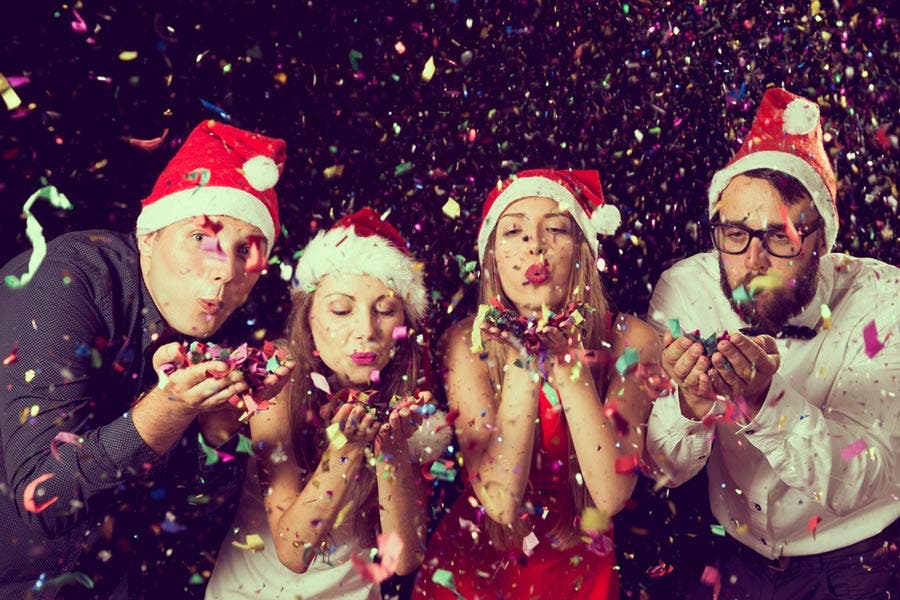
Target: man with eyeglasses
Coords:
[[791, 403]]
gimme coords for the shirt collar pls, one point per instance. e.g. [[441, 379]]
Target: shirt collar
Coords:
[[812, 313]]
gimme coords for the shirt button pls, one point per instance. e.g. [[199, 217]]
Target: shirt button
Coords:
[[757, 507]]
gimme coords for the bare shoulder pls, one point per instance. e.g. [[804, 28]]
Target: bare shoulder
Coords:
[[630, 331], [456, 339]]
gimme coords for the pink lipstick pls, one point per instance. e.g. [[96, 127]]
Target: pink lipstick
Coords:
[[363, 358]]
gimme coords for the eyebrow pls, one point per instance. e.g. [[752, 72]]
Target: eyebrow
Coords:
[[545, 215], [352, 297]]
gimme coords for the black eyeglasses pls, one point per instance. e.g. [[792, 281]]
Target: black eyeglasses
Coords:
[[732, 238]]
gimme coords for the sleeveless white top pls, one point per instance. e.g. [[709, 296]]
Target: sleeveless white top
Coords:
[[259, 575]]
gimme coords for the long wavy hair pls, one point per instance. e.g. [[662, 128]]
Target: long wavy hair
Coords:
[[584, 285], [399, 377]]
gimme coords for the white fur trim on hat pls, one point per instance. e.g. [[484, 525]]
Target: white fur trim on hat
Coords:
[[207, 200], [606, 219], [540, 187], [341, 250], [800, 117], [788, 163], [261, 172]]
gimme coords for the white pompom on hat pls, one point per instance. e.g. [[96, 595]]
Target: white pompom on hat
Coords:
[[578, 192], [219, 170], [786, 136]]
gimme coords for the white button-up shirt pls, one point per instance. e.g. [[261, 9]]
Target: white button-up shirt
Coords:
[[793, 481]]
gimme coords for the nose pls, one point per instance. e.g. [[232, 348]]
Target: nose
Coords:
[[756, 258], [534, 242], [223, 268], [366, 326]]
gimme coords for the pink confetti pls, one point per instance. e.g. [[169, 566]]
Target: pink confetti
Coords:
[[870, 338], [628, 464], [851, 450], [389, 548], [78, 25], [713, 579], [400, 332], [375, 376], [63, 437], [256, 261], [789, 228], [149, 145], [320, 382], [30, 489]]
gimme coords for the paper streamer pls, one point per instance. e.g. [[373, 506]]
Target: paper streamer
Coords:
[[851, 450], [35, 234], [30, 489], [63, 437]]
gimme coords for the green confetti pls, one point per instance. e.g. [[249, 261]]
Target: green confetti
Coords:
[[196, 579], [245, 445], [675, 328], [211, 456], [628, 359], [718, 530], [551, 394], [740, 295], [439, 471], [35, 233], [402, 168], [355, 55]]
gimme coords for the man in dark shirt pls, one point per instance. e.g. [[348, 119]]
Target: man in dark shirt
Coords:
[[108, 485]]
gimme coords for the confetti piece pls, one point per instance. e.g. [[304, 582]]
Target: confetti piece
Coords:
[[444, 578], [740, 295], [851, 450], [253, 542], [13, 355], [244, 445], [712, 578], [201, 175], [439, 469], [342, 514], [477, 343], [148, 145], [256, 260], [34, 231], [9, 95], [333, 172], [530, 542], [78, 25], [675, 328], [428, 70], [320, 382], [335, 436], [128, 55], [813, 525], [789, 228], [63, 437], [389, 548], [451, 208], [212, 457], [870, 338], [30, 489], [593, 519], [30, 374], [550, 392], [826, 317], [717, 530], [400, 332], [628, 359], [630, 463], [67, 578], [769, 281], [210, 106]]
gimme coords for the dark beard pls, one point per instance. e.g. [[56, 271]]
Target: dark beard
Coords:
[[781, 304]]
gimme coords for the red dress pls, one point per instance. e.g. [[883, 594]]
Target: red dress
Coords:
[[479, 571]]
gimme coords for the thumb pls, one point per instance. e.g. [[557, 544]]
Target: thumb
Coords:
[[166, 353]]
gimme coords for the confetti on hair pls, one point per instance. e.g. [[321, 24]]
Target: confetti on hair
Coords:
[[31, 489], [853, 449], [63, 437], [34, 231], [870, 338]]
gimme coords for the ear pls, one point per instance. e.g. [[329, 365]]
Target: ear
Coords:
[[146, 242]]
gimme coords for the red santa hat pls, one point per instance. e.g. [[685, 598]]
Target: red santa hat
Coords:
[[578, 192], [219, 170], [786, 136], [364, 244]]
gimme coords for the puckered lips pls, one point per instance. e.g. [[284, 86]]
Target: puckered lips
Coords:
[[210, 306], [363, 358], [538, 273]]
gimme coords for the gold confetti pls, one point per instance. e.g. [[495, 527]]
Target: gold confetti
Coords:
[[428, 70], [127, 55], [8, 94], [451, 208], [253, 543]]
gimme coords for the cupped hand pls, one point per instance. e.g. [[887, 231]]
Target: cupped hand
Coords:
[[357, 423], [191, 388], [753, 362], [684, 361]]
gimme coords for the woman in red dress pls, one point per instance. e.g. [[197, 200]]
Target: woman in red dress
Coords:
[[551, 403]]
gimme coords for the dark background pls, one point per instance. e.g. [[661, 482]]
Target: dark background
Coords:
[[654, 95]]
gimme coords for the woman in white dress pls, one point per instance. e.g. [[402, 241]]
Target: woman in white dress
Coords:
[[335, 464]]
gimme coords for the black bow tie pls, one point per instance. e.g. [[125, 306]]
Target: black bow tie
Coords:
[[797, 332]]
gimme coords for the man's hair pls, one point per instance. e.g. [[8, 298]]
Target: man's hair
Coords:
[[789, 187]]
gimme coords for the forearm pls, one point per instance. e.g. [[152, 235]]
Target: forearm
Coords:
[[678, 446], [159, 421], [505, 464], [403, 505], [594, 439], [310, 515]]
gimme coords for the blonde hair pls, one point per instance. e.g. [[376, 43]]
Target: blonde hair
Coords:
[[584, 285], [399, 378]]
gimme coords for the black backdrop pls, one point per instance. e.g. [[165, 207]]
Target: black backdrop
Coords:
[[654, 95]]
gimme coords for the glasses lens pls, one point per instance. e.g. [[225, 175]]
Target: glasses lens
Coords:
[[730, 239], [780, 244]]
